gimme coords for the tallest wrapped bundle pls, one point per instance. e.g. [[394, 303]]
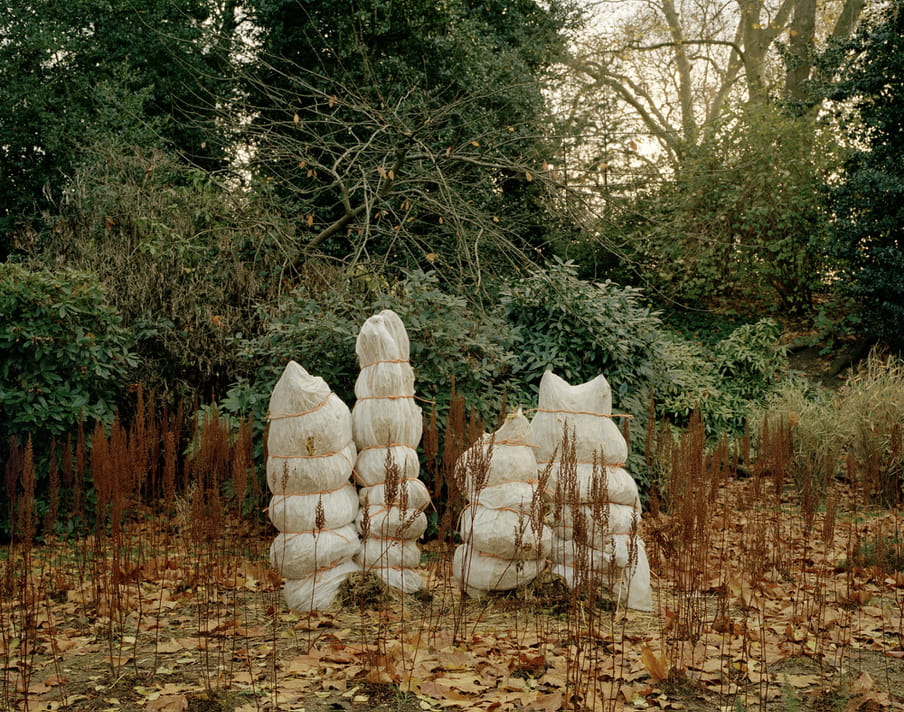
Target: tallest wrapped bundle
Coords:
[[387, 429]]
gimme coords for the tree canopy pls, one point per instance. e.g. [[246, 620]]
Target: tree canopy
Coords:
[[868, 203], [408, 133], [72, 73]]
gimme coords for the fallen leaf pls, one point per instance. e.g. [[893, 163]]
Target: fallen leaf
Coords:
[[552, 702], [800, 681], [655, 664], [445, 695], [171, 646], [168, 703]]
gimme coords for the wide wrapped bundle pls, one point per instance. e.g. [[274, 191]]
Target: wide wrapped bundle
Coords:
[[390, 554], [387, 426], [505, 539], [514, 495], [298, 555], [382, 421], [306, 418], [480, 572], [506, 457], [310, 458], [308, 473], [595, 501], [591, 482]]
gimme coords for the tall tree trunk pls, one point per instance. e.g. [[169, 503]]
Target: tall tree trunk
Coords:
[[800, 51]]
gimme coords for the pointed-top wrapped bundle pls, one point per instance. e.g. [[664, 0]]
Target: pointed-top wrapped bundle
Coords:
[[309, 465]]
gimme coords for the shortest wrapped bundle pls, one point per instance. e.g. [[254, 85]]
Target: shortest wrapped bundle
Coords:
[[506, 541], [481, 572], [317, 591]]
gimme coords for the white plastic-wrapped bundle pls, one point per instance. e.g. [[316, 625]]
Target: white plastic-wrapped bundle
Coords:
[[508, 533], [595, 522], [590, 482], [596, 505], [621, 562], [300, 554], [374, 460], [390, 522], [481, 572], [318, 590], [307, 420], [308, 473], [586, 409], [506, 541], [392, 553], [310, 460], [508, 456], [517, 495], [404, 494], [387, 427], [300, 512], [387, 420]]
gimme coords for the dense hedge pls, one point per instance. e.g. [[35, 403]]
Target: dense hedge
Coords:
[[64, 356]]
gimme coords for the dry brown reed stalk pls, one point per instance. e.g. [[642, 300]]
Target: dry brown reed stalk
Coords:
[[129, 468], [469, 476], [80, 482], [682, 543], [581, 611], [392, 645], [442, 451], [242, 464], [214, 554], [53, 490], [461, 431], [19, 579]]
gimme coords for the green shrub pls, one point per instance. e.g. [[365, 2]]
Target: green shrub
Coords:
[[750, 360], [687, 380], [581, 329], [809, 410], [750, 363], [550, 319], [184, 259], [871, 409], [64, 356], [449, 343]]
